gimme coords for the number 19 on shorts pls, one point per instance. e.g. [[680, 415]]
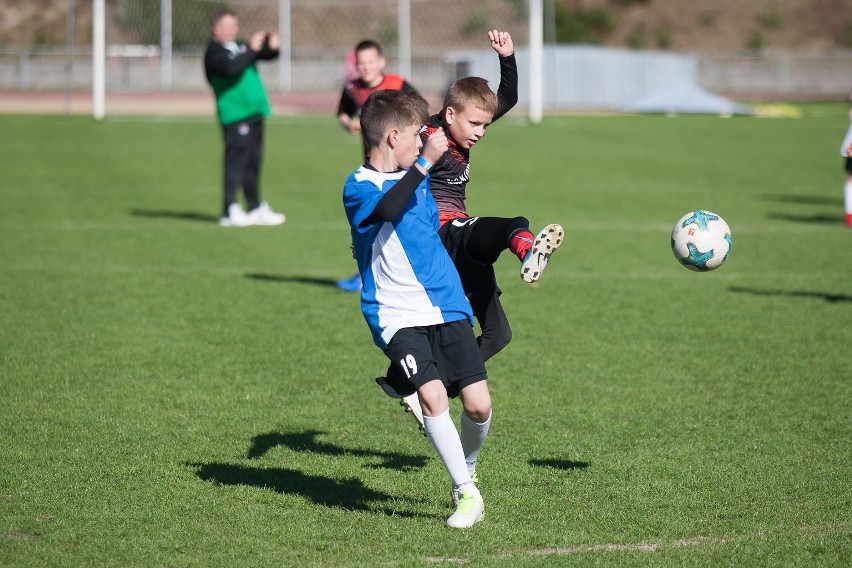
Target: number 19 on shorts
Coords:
[[409, 365]]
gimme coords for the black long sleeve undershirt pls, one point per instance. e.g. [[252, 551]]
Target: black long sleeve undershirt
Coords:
[[395, 199], [507, 92]]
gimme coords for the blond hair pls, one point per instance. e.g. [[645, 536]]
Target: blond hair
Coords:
[[471, 92]]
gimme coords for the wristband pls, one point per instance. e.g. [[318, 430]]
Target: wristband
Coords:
[[421, 161]]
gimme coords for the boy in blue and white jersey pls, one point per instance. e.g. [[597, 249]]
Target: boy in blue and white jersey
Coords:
[[412, 297]]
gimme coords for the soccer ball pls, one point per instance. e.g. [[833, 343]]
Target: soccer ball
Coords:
[[701, 241]]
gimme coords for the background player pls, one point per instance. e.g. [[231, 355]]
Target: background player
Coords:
[[845, 152], [370, 66], [412, 298]]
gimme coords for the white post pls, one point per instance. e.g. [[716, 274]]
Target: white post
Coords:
[[536, 49], [98, 58], [166, 44], [404, 24], [285, 58], [69, 55]]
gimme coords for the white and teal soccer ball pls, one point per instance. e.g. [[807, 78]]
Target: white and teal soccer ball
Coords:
[[701, 241]]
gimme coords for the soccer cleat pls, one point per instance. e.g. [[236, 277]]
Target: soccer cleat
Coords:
[[470, 510], [264, 215], [547, 241], [455, 492], [236, 217], [350, 284], [411, 403]]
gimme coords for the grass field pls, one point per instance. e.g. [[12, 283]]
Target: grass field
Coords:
[[179, 394]]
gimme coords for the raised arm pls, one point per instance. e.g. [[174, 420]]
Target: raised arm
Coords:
[[507, 92]]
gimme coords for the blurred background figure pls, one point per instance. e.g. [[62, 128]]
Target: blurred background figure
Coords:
[[844, 151], [241, 107], [370, 65]]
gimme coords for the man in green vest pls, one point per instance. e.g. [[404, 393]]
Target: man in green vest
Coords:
[[241, 106]]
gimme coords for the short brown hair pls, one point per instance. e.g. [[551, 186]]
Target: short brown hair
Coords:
[[388, 109], [219, 14], [368, 44], [471, 91]]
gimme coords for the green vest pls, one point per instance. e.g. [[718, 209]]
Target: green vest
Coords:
[[241, 97]]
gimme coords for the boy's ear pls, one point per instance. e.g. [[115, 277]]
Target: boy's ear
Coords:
[[392, 136], [450, 115]]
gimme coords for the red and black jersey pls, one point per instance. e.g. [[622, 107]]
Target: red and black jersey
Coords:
[[355, 93], [449, 177]]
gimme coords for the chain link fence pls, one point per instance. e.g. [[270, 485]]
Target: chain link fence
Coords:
[[322, 34]]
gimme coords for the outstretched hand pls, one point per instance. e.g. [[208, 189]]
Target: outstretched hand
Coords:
[[501, 42]]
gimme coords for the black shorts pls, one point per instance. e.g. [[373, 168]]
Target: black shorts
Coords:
[[446, 352], [849, 165], [474, 275]]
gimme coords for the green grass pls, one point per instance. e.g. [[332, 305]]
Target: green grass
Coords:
[[178, 394]]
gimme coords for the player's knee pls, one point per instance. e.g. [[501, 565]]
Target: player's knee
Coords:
[[479, 411], [433, 398]]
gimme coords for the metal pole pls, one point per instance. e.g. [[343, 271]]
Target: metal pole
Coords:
[[536, 24], [69, 55], [166, 44], [404, 16], [98, 58], [285, 58]]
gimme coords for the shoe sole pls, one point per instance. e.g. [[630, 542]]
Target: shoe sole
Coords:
[[407, 407], [546, 242], [268, 223]]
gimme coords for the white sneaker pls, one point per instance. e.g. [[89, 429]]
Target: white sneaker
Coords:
[[411, 403], [264, 215], [546, 242], [236, 217], [470, 511]]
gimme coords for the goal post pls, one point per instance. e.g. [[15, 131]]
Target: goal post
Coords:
[[98, 58]]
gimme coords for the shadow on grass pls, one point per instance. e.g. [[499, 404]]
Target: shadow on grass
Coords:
[[830, 298], [815, 219], [803, 199], [349, 494], [307, 442], [566, 465], [297, 279], [182, 215]]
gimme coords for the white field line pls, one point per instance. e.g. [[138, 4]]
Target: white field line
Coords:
[[638, 546]]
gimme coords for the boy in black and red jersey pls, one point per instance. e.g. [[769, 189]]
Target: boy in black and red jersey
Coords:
[[370, 63], [475, 243]]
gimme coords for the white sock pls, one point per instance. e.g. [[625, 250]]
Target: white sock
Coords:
[[445, 438], [847, 197], [472, 436]]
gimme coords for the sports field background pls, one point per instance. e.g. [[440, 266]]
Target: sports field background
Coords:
[[179, 394]]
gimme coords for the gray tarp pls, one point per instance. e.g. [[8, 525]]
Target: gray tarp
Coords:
[[684, 100]]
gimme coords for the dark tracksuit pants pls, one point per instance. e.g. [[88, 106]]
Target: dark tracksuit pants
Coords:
[[243, 155]]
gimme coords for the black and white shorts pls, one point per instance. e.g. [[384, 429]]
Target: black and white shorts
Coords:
[[849, 165], [446, 352]]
